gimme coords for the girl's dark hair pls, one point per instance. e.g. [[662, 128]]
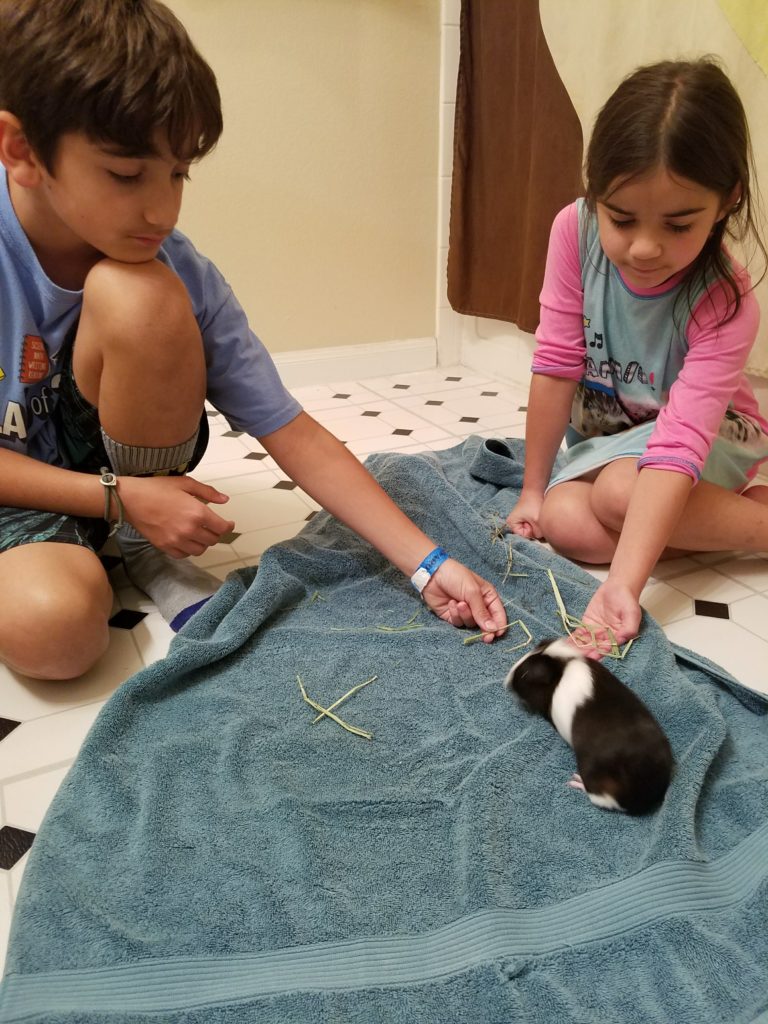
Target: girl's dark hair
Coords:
[[120, 71], [685, 117]]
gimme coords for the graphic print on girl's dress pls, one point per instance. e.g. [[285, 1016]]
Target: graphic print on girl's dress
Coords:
[[634, 347]]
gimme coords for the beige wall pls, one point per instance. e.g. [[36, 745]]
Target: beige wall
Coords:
[[609, 38], [319, 204]]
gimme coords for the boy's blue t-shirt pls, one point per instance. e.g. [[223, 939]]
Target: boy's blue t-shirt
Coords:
[[36, 317]]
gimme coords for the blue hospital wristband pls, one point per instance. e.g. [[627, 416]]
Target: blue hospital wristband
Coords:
[[428, 567]]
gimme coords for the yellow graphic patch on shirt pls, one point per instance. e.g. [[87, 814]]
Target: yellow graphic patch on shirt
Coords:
[[2, 373]]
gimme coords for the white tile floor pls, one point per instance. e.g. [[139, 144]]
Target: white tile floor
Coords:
[[714, 604]]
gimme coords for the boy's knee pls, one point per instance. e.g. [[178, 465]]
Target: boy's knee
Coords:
[[55, 631], [137, 325], [136, 300]]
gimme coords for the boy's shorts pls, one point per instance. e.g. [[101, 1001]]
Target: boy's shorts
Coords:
[[79, 431]]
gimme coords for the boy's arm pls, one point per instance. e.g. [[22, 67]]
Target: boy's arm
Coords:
[[322, 466], [168, 511]]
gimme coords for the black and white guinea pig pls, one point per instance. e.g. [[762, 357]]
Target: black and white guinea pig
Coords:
[[624, 759]]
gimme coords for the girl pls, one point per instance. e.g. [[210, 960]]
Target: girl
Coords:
[[646, 325]]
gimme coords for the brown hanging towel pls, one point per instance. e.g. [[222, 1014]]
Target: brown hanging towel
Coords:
[[516, 161]]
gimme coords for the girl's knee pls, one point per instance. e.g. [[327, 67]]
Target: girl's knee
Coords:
[[611, 492], [570, 526], [562, 518]]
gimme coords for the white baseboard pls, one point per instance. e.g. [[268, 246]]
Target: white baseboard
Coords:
[[499, 350], [355, 362]]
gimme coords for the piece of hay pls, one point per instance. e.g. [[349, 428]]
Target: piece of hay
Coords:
[[518, 622], [327, 711], [341, 700], [523, 643], [572, 623], [407, 627]]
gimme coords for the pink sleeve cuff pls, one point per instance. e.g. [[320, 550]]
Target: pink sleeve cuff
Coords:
[[672, 463]]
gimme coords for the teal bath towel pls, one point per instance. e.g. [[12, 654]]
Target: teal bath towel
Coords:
[[216, 855]]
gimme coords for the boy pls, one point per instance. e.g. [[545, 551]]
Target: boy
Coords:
[[114, 330]]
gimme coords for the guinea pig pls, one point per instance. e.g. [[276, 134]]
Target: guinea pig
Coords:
[[624, 760]]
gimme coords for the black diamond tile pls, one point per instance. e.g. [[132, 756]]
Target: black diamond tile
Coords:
[[454, 378], [713, 609], [110, 562], [312, 515], [227, 538], [14, 843], [7, 725], [256, 455], [372, 413], [211, 413], [489, 394], [402, 387], [285, 485], [342, 396], [233, 433], [522, 408], [433, 402], [469, 419], [402, 433], [127, 618]]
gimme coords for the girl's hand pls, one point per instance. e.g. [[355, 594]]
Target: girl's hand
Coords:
[[523, 520], [172, 512], [614, 605], [459, 596]]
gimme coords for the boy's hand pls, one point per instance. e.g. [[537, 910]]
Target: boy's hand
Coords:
[[171, 512], [461, 597], [523, 520]]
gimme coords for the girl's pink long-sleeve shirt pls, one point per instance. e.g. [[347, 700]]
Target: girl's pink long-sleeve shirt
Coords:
[[711, 379]]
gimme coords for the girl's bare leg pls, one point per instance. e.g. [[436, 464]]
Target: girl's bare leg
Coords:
[[582, 519], [569, 523], [714, 518]]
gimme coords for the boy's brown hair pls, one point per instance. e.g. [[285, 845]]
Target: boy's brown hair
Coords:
[[120, 71]]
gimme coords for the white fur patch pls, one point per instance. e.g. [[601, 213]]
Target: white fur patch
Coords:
[[608, 803], [562, 648], [574, 689]]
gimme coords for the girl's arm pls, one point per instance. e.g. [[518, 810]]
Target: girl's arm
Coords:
[[549, 410], [711, 377], [657, 503], [558, 366]]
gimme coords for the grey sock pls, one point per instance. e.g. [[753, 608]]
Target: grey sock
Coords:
[[177, 586]]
